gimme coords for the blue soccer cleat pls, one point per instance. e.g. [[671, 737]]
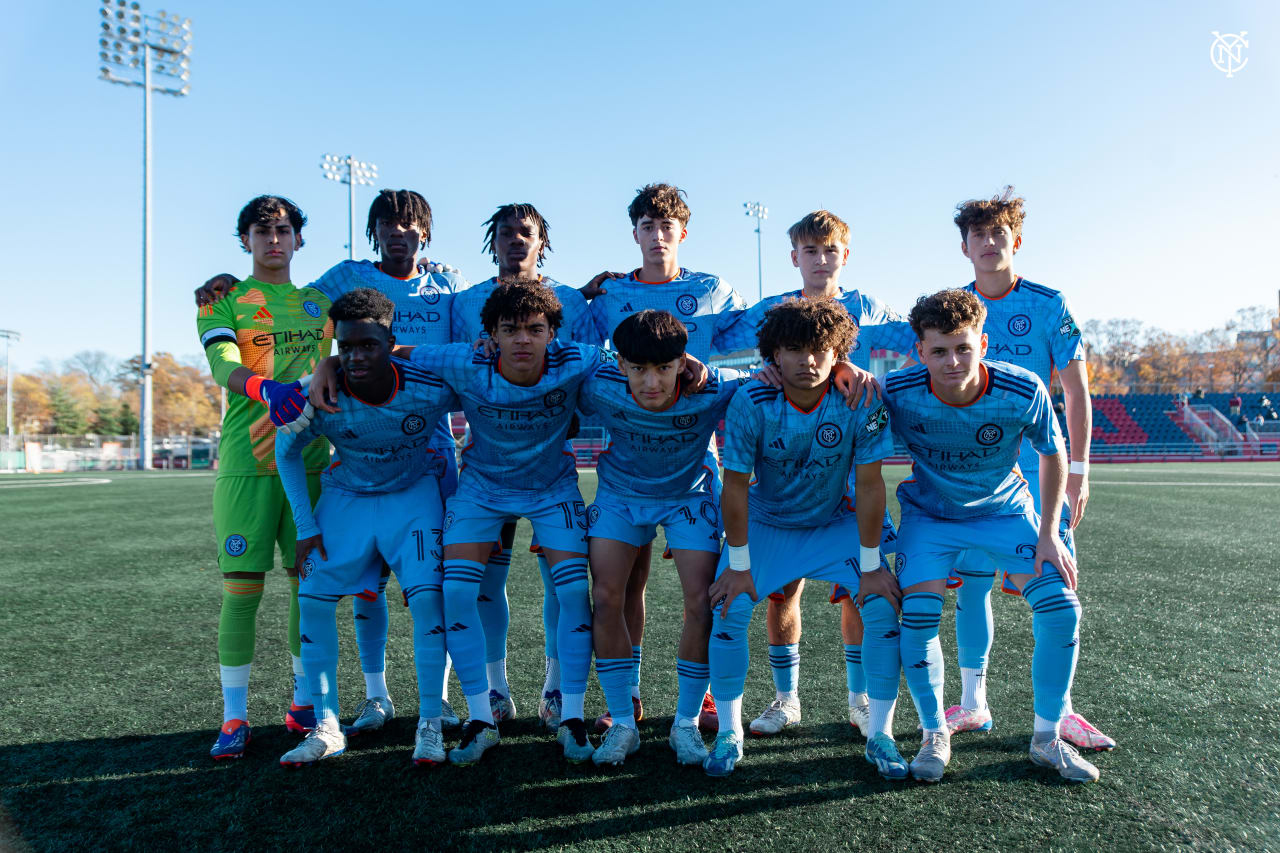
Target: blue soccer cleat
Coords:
[[724, 756], [882, 751], [232, 740], [300, 718]]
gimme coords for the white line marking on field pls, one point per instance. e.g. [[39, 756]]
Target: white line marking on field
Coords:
[[1093, 482], [1205, 469], [73, 481]]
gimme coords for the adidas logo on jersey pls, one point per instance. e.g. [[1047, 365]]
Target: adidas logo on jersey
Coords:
[[349, 433], [628, 308], [263, 315], [778, 444], [919, 428]]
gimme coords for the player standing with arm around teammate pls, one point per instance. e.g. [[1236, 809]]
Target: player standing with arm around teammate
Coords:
[[963, 419], [795, 518], [258, 343], [1029, 325], [379, 504]]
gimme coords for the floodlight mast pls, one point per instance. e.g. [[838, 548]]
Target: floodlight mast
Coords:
[[141, 44], [761, 213], [346, 169], [8, 336]]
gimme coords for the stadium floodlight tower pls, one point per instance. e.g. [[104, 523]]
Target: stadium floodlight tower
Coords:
[[134, 46], [350, 171], [761, 213], [8, 336]]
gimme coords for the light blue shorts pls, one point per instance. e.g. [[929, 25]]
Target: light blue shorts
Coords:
[[888, 544], [780, 555], [692, 524], [361, 531], [559, 519], [929, 548]]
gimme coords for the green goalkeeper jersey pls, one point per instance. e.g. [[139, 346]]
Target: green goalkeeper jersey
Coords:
[[279, 332]]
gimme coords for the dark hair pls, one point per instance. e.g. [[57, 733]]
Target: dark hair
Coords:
[[650, 337], [1002, 209], [363, 303], [659, 201], [518, 298], [819, 324], [948, 311], [517, 211], [265, 208], [402, 207]]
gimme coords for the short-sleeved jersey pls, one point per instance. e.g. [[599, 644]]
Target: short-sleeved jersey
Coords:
[[517, 432], [379, 448], [423, 301], [576, 325], [703, 302], [656, 457], [965, 458], [801, 459], [279, 332], [879, 326], [1032, 327]]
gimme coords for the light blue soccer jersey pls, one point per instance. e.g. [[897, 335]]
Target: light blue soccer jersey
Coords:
[[576, 325], [1032, 327], [423, 301], [801, 459], [379, 448], [703, 302], [966, 457], [656, 457], [879, 326], [517, 432]]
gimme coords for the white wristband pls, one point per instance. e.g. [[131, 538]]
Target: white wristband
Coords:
[[1078, 468], [868, 559], [739, 558]]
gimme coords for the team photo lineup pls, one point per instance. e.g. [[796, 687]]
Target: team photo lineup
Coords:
[[347, 466]]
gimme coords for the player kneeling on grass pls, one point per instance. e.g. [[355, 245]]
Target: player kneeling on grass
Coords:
[[795, 519], [379, 501], [653, 473], [963, 420]]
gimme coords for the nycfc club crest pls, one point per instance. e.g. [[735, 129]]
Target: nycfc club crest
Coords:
[[554, 398], [311, 308], [1019, 325], [684, 421], [989, 434], [236, 545], [428, 293], [593, 515], [686, 304], [308, 566], [413, 424], [829, 435]]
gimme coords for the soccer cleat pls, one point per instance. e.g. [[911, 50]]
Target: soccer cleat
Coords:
[[966, 720], [605, 720], [477, 737], [371, 715], [618, 743], [428, 745], [1079, 732], [1059, 755], [549, 709], [860, 718], [932, 759], [448, 716], [572, 735], [775, 718], [326, 740], [501, 706], [882, 751], [300, 718], [232, 740], [688, 745], [709, 717], [725, 754]]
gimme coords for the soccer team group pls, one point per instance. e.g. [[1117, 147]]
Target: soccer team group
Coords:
[[992, 491]]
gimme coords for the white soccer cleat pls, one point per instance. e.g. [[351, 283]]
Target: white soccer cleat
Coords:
[[775, 718], [618, 743], [1059, 755], [572, 736], [371, 715], [501, 707], [932, 759], [448, 716], [477, 737], [549, 707], [326, 740], [428, 745], [688, 745], [860, 718]]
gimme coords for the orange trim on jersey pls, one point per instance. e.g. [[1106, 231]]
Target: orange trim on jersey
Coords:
[[1016, 281], [986, 386], [636, 275], [674, 399], [825, 389], [415, 274], [395, 389], [540, 375], [335, 464]]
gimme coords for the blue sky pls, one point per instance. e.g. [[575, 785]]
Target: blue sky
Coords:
[[1151, 177]]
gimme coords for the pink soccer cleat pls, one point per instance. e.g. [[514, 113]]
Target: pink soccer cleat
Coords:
[[1081, 733], [961, 719]]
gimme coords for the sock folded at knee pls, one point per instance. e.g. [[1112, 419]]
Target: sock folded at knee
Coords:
[[464, 637], [693, 680], [975, 626], [550, 609], [922, 655], [1055, 624], [615, 681], [318, 625], [495, 610], [237, 622], [569, 579]]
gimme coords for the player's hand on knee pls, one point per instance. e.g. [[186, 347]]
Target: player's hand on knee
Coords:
[[882, 583], [215, 289], [855, 384], [323, 392], [769, 375], [729, 586], [1055, 553], [303, 547]]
